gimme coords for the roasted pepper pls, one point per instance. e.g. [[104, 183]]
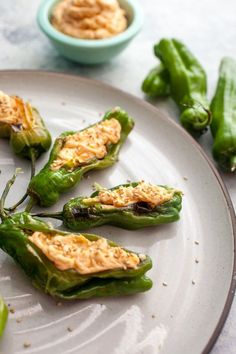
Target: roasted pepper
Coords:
[[70, 266], [223, 126], [60, 175], [156, 83], [188, 84], [16, 240], [130, 206], [23, 125], [3, 315]]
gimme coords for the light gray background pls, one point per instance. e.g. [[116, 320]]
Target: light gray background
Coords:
[[207, 27]]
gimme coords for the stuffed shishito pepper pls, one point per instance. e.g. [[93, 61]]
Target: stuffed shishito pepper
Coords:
[[3, 315], [130, 206], [75, 153], [72, 266], [69, 265], [23, 125]]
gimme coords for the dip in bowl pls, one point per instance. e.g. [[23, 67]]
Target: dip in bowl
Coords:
[[110, 33]]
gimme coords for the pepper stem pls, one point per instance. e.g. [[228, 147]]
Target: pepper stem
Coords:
[[233, 163], [32, 159], [58, 215], [30, 205], [5, 192]]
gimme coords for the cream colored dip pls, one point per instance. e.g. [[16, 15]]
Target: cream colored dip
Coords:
[[89, 19], [85, 256], [84, 146], [124, 196]]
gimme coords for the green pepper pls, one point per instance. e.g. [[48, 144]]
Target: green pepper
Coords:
[[188, 84], [29, 137], [67, 284], [83, 213], [3, 315], [156, 83], [36, 139], [45, 188], [223, 107]]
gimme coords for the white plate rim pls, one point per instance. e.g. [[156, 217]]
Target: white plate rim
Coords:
[[231, 292]]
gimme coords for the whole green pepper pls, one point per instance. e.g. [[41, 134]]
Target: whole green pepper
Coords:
[[3, 315], [188, 84], [156, 83], [45, 188], [82, 213], [223, 107], [67, 284]]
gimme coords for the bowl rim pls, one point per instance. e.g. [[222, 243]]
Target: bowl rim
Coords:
[[46, 26]]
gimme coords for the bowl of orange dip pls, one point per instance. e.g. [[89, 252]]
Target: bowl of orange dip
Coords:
[[90, 31]]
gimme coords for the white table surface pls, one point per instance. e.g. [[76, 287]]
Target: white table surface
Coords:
[[207, 27]]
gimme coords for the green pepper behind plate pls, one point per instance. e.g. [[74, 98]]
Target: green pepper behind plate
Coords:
[[188, 84], [223, 126], [157, 82]]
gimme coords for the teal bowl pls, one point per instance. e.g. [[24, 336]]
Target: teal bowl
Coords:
[[88, 51]]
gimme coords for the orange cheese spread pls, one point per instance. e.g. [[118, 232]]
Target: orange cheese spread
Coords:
[[124, 196], [85, 256], [84, 146], [89, 19]]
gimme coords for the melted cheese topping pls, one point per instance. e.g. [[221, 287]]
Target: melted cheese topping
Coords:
[[91, 143], [86, 257], [89, 19], [124, 196], [14, 112]]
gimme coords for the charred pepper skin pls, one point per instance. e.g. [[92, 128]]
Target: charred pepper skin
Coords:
[[79, 216], [47, 186], [223, 126], [3, 315], [156, 83], [67, 284], [188, 84]]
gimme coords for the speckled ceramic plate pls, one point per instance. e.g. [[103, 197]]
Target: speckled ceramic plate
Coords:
[[193, 259]]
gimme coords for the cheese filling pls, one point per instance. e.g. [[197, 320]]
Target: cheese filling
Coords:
[[91, 143], [14, 112], [85, 256], [124, 196]]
